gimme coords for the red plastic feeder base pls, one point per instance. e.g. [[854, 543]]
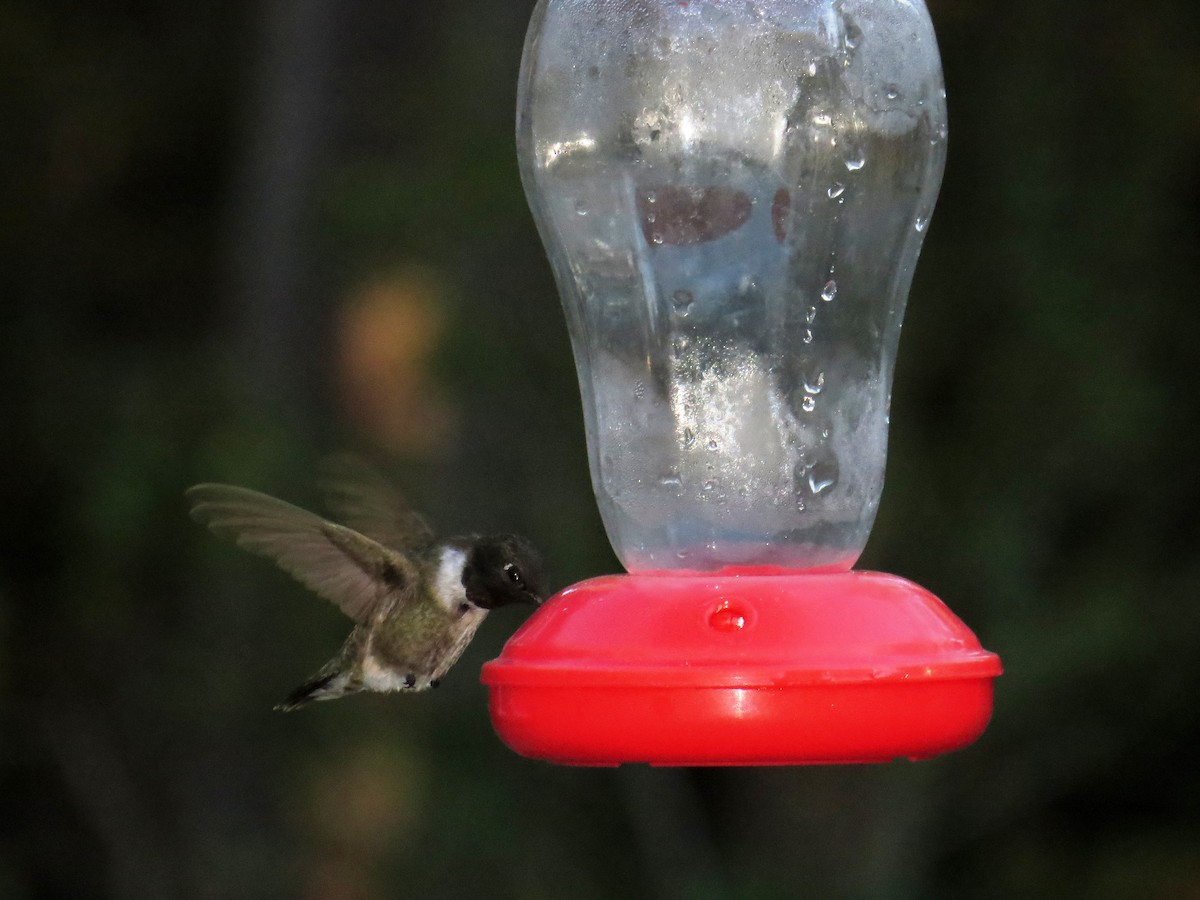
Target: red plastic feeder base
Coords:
[[741, 669]]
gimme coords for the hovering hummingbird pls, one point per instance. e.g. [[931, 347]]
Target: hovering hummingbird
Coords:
[[415, 602]]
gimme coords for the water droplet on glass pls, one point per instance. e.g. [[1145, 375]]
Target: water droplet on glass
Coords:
[[813, 385], [812, 68], [651, 197], [921, 222], [689, 438], [682, 301], [709, 485], [891, 92], [853, 35], [808, 404], [671, 479], [807, 337], [836, 190], [581, 208], [816, 485], [810, 315], [656, 238], [855, 160], [712, 444], [822, 476], [651, 218], [822, 120], [683, 554], [829, 291]]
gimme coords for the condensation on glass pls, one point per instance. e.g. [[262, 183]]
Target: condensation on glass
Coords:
[[733, 196]]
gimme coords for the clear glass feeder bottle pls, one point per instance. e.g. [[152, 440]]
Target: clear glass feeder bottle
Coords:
[[733, 195]]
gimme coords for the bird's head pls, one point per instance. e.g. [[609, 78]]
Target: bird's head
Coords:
[[503, 569]]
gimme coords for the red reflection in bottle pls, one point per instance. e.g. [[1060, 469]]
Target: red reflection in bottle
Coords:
[[680, 216], [781, 213]]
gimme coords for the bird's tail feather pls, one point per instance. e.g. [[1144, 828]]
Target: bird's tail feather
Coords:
[[324, 686]]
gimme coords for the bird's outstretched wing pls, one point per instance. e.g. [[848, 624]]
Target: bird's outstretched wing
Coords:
[[363, 499], [343, 566]]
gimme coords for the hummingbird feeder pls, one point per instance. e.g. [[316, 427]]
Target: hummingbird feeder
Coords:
[[733, 195]]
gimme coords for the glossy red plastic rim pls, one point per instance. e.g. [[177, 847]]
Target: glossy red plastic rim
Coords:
[[741, 669]]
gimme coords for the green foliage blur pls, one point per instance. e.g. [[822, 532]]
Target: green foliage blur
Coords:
[[217, 224]]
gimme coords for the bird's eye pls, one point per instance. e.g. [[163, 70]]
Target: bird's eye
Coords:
[[513, 573]]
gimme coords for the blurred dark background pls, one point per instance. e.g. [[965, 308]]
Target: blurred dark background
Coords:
[[235, 236]]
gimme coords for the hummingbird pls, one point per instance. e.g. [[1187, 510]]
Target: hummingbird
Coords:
[[415, 601]]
